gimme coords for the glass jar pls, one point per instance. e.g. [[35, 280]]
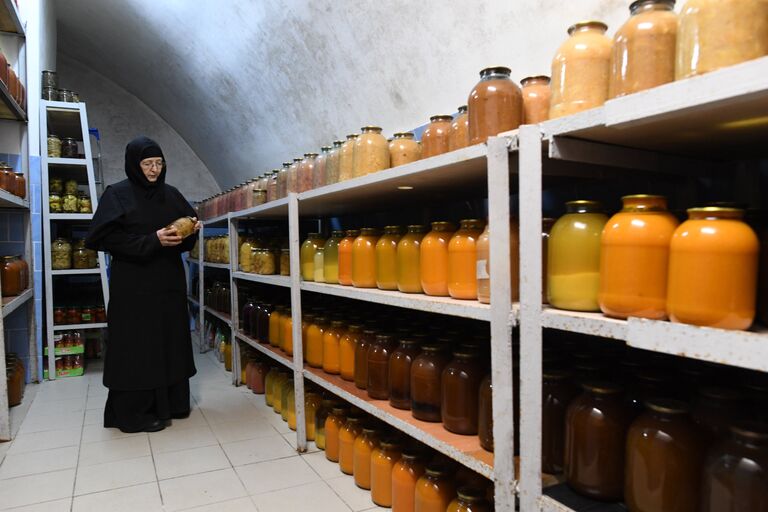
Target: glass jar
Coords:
[[73, 315], [262, 324], [84, 203], [664, 459], [273, 333], [634, 259], [536, 96], [643, 53], [332, 163], [315, 332], [292, 184], [735, 475], [366, 442], [483, 263], [55, 186], [581, 69], [245, 259], [319, 265], [321, 161], [495, 105], [20, 183], [403, 149], [269, 386], [595, 432], [68, 147], [434, 490], [546, 229], [69, 203], [557, 392], [306, 172], [258, 196], [713, 270], [378, 366], [11, 277], [331, 257], [54, 146], [434, 138], [61, 254], [100, 314], [320, 416], [715, 410], [715, 34], [54, 203], [386, 258], [285, 262], [7, 178], [371, 153], [361, 358], [364, 259], [282, 181], [460, 384], [262, 261], [307, 256], [426, 386], [400, 372], [80, 258], [333, 424], [347, 345], [383, 460], [573, 267], [405, 474], [277, 400], [458, 136], [59, 315], [462, 260], [345, 256], [485, 414], [312, 402], [409, 259], [286, 405], [272, 186], [469, 499], [347, 436], [286, 327], [347, 158], [331, 347], [433, 260]]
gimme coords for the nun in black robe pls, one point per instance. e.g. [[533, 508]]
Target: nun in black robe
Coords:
[[148, 360]]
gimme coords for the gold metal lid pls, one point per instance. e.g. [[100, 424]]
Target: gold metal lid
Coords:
[[587, 24], [297, 160], [667, 405], [583, 206], [338, 143], [353, 232], [370, 128], [442, 226], [471, 494], [494, 70], [369, 231], [393, 230], [714, 212], [337, 233], [635, 6], [417, 228], [352, 136], [310, 155], [469, 223], [440, 117], [287, 164], [535, 78], [403, 135], [325, 149]]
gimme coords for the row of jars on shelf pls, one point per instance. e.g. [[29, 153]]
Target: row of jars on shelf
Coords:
[[65, 256], [69, 362], [264, 256], [68, 339], [15, 377], [78, 202], [16, 89], [52, 92], [64, 315], [14, 276], [13, 182], [62, 147], [217, 296]]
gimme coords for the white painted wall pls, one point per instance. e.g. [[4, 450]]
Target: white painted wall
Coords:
[[249, 84]]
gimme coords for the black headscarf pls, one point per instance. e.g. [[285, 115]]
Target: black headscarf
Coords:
[[137, 150]]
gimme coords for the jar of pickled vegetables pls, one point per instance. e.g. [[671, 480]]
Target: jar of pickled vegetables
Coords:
[[331, 257], [84, 203], [536, 96], [462, 260], [364, 259], [495, 105], [55, 186], [409, 259], [404, 149], [433, 260], [80, 258], [70, 187], [54, 146], [434, 139], [371, 153], [386, 258], [61, 254], [307, 255], [458, 137], [54, 203], [285, 262], [69, 203], [347, 158]]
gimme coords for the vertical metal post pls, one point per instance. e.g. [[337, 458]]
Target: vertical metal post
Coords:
[[201, 291], [530, 316], [234, 325], [5, 413], [501, 329], [298, 346]]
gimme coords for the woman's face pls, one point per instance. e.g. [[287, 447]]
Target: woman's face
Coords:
[[152, 167]]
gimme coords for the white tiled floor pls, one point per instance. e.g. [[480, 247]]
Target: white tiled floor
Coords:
[[233, 454]]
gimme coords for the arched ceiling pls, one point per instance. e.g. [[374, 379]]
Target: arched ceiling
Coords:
[[252, 83]]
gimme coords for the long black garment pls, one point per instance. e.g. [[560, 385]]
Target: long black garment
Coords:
[[149, 345]]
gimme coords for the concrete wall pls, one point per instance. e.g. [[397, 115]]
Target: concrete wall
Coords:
[[119, 117]]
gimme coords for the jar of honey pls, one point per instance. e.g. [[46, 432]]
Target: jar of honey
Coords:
[[378, 366], [460, 387], [405, 474], [331, 348], [558, 390], [307, 255], [403, 149], [269, 385], [409, 260], [469, 499], [320, 416], [383, 460], [634, 259], [345, 256], [347, 344], [315, 341], [433, 260], [312, 402], [400, 372], [713, 270], [361, 357], [485, 413], [434, 139], [333, 424], [274, 332], [434, 490], [462, 260], [426, 382], [347, 436], [458, 136], [371, 153], [331, 257], [277, 399], [366, 442], [347, 158], [495, 105], [536, 96], [386, 258], [286, 339], [318, 263], [483, 263], [364, 259]]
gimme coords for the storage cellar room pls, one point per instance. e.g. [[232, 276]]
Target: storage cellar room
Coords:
[[318, 256]]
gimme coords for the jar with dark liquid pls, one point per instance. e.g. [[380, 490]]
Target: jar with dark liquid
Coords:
[[715, 411], [378, 366], [469, 499], [426, 386], [400, 373], [460, 384], [361, 358], [557, 392], [320, 416], [485, 414]]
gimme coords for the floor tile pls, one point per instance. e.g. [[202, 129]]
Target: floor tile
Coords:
[[51, 421], [258, 450], [202, 489], [57, 407], [96, 402], [322, 466], [114, 450], [62, 505], [190, 462], [139, 498], [175, 438], [113, 475], [97, 433], [275, 475], [195, 419], [28, 490], [32, 463], [94, 417], [239, 411], [356, 498], [277, 422], [38, 441], [231, 431], [238, 505], [317, 497]]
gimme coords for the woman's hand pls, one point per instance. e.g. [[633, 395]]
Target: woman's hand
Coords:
[[168, 237], [198, 224]]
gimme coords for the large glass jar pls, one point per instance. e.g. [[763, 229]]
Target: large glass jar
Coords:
[[307, 255], [366, 442], [378, 366], [433, 261], [462, 260], [458, 137], [54, 146], [347, 436], [595, 432], [321, 162], [293, 176], [735, 475], [580, 70], [371, 153], [664, 458], [469, 499], [546, 230], [536, 95], [285, 262], [404, 149], [573, 267], [495, 105], [715, 410], [331, 257], [383, 460], [426, 382], [400, 372], [485, 413], [405, 473], [286, 330], [434, 138], [460, 387], [331, 348], [347, 345], [11, 277], [68, 147], [386, 258], [61, 254], [84, 203], [282, 181], [286, 407], [273, 333], [277, 390], [434, 490], [272, 186], [483, 263], [634, 259], [80, 258], [55, 186], [557, 392], [320, 416], [364, 259], [715, 34], [332, 164], [409, 260], [345, 256], [319, 265], [644, 48], [713, 270], [347, 158], [54, 203], [69, 203], [333, 425], [262, 261], [306, 172], [361, 357], [315, 332], [244, 261]]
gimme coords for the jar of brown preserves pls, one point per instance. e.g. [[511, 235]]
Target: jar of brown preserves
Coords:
[[400, 373], [378, 366], [536, 95], [460, 387], [458, 137], [434, 139], [557, 392], [495, 105], [426, 385]]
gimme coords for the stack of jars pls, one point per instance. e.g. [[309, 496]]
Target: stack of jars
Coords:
[[12, 182], [11, 80], [15, 376], [68, 340], [264, 255], [15, 276], [641, 263], [217, 296], [217, 249], [64, 197], [64, 315]]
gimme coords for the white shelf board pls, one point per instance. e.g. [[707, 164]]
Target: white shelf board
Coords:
[[79, 327], [71, 216], [552, 505], [594, 324], [10, 21], [67, 161], [420, 302], [76, 271], [221, 316], [8, 200], [216, 265], [216, 220], [53, 106], [274, 280], [266, 349], [272, 209], [11, 304]]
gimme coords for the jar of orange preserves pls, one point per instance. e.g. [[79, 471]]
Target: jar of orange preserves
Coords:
[[315, 332], [433, 260], [469, 499], [495, 105], [408, 260], [434, 490], [347, 435], [458, 137], [713, 270], [312, 402], [333, 425], [345, 257], [483, 263], [403, 149], [405, 473], [366, 442], [634, 258], [331, 347], [434, 139], [286, 339], [364, 259], [274, 326], [383, 460], [536, 96], [462, 260], [386, 258], [347, 344]]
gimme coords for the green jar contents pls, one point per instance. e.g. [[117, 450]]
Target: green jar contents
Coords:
[[307, 255], [331, 257]]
